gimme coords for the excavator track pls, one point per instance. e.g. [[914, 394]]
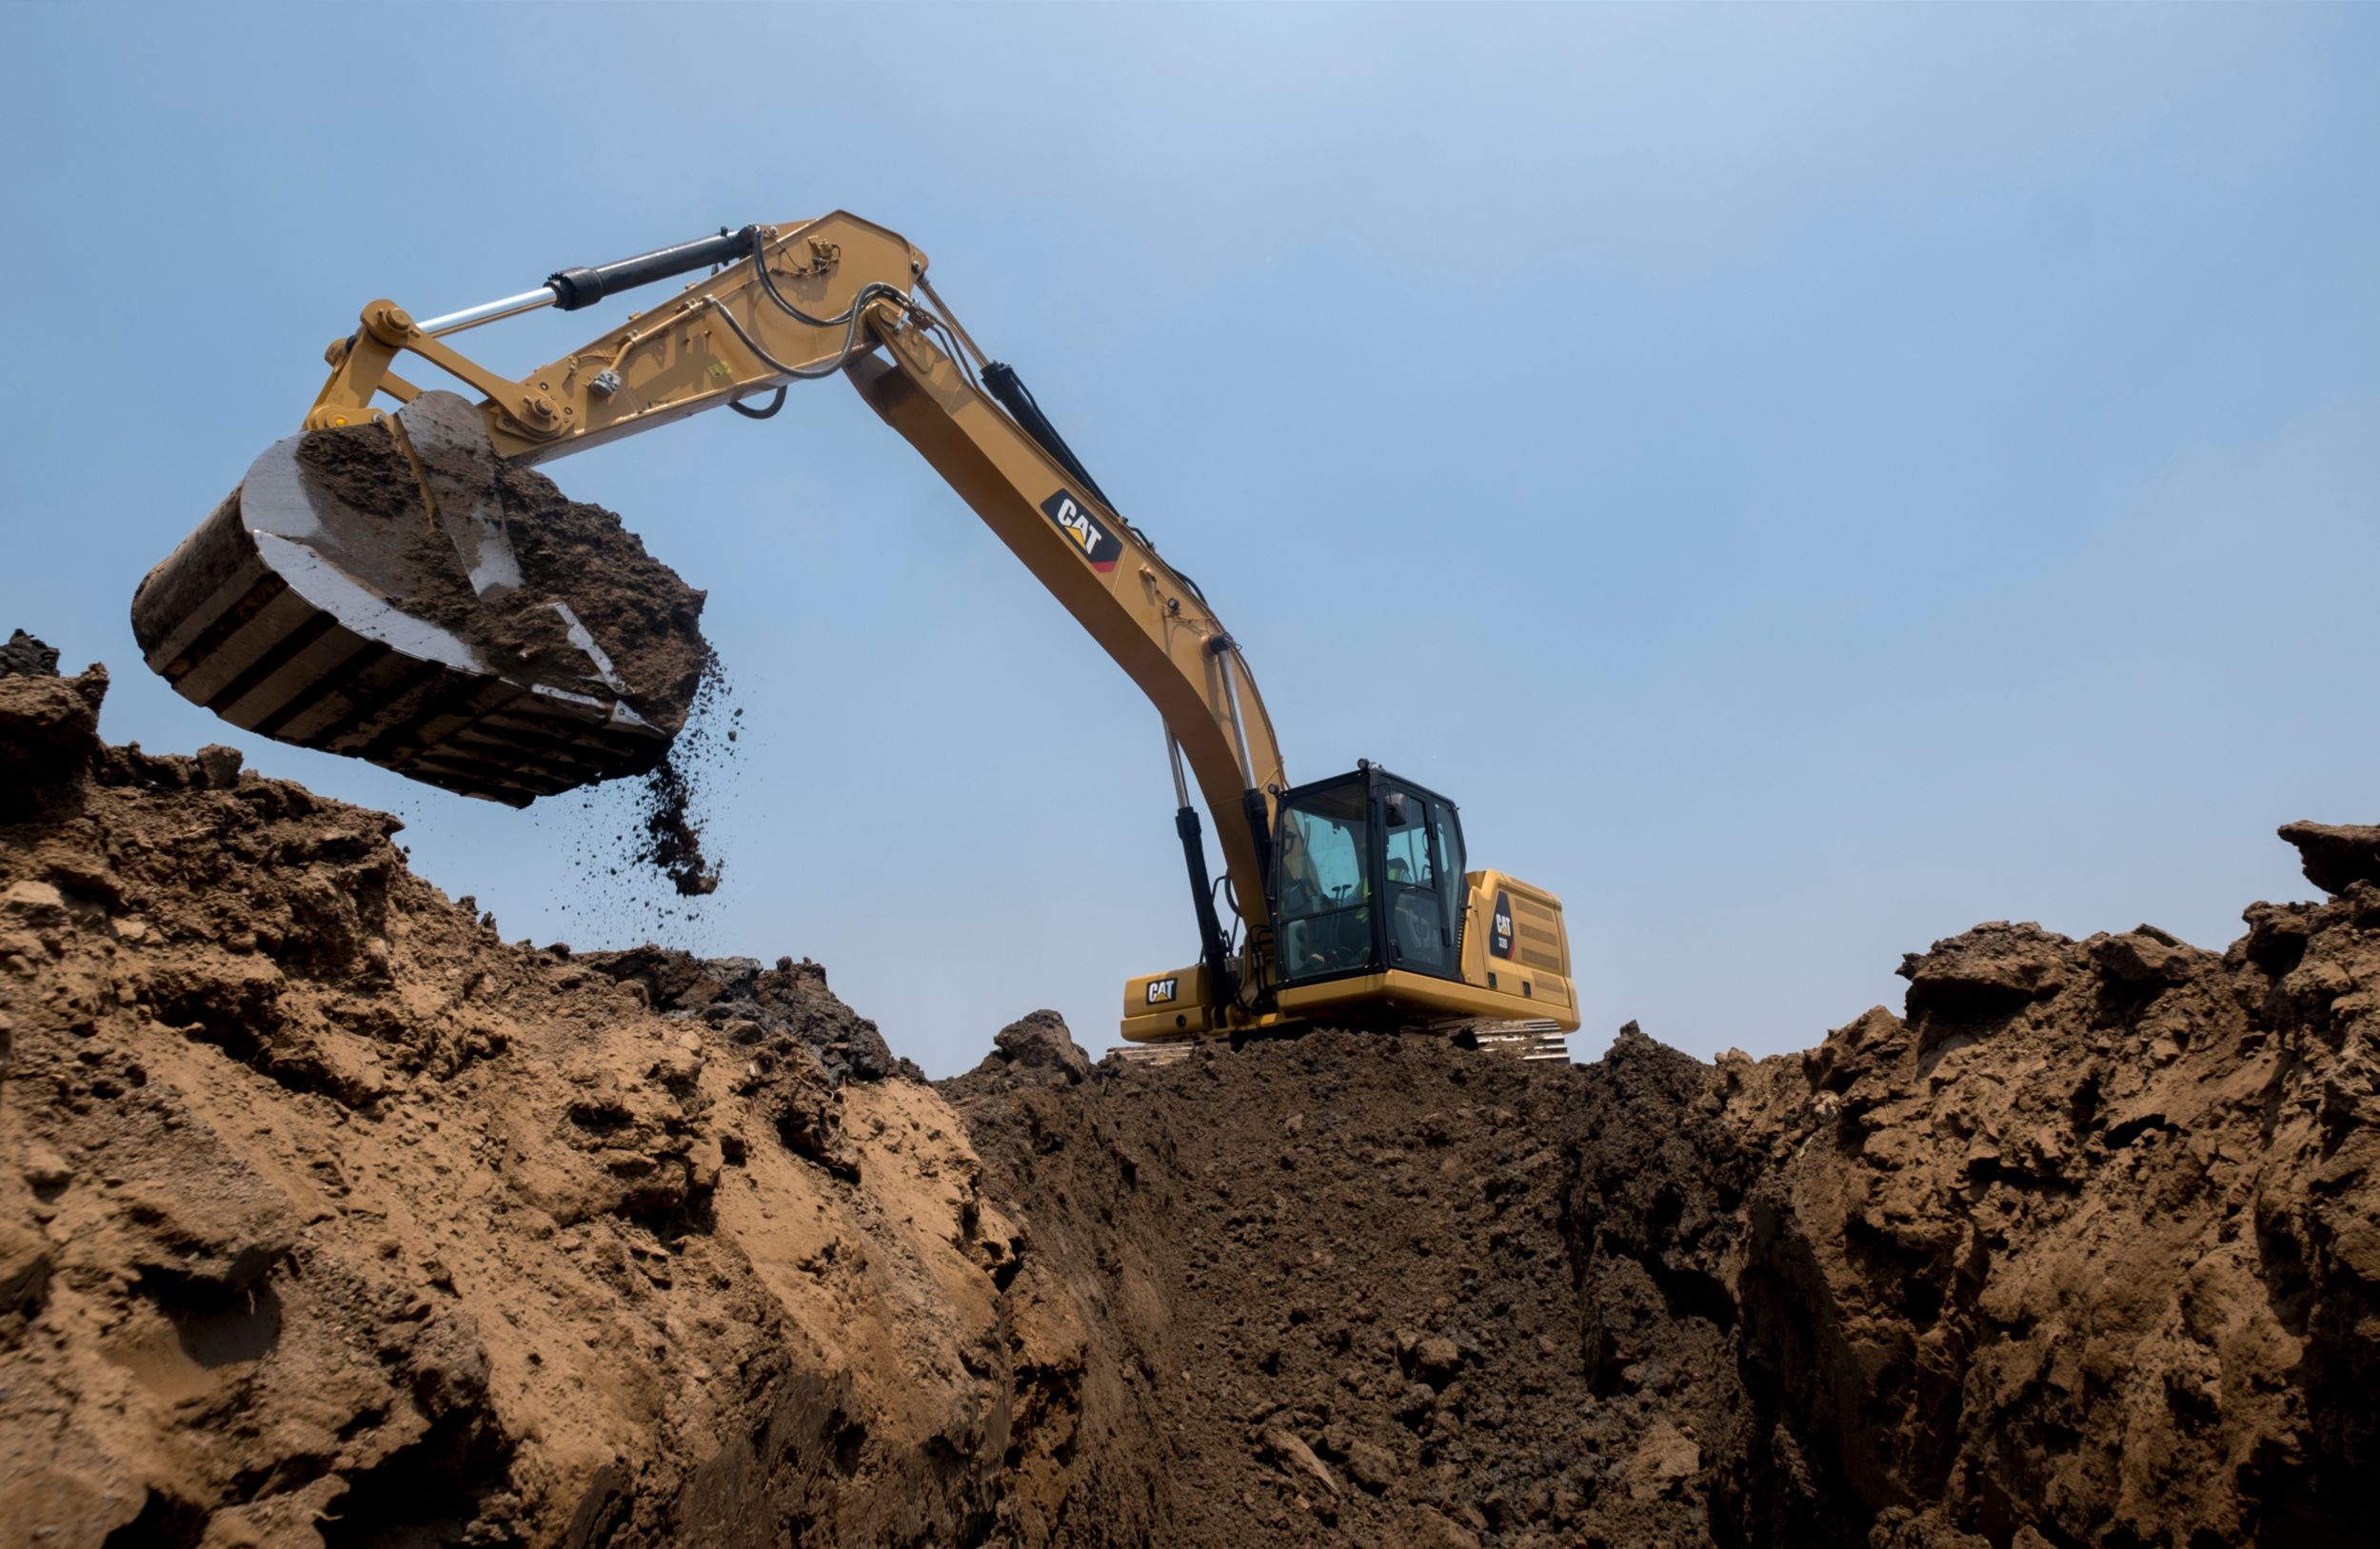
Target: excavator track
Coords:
[[1537, 1041]]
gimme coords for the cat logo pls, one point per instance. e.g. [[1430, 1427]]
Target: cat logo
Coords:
[[1162, 990], [1096, 543], [1500, 939]]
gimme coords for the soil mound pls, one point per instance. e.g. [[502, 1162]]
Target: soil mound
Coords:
[[2087, 1248], [329, 1219], [1369, 1290], [2084, 1250]]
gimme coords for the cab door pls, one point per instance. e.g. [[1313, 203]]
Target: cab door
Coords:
[[1324, 904], [1420, 883]]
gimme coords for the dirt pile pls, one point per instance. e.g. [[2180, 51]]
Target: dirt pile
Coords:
[[1367, 1291], [2084, 1250], [326, 1217]]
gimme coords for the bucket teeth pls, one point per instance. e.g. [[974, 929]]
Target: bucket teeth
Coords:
[[287, 614]]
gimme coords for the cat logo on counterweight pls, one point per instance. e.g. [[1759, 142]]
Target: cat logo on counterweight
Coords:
[[1500, 934], [1090, 536]]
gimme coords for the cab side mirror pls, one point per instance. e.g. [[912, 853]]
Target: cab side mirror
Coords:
[[1396, 810]]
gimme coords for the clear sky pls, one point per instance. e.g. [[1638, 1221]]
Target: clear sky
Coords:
[[1804, 480]]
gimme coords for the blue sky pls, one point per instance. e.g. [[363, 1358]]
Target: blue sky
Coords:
[[1804, 480]]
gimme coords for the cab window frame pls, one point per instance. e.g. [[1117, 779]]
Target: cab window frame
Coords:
[[1361, 905], [1438, 820]]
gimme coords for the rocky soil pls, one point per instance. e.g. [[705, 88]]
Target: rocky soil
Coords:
[[329, 1218]]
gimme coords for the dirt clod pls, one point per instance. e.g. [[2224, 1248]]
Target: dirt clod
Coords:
[[24, 656], [1035, 1045], [2336, 856]]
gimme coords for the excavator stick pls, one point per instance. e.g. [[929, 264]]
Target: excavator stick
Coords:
[[360, 593]]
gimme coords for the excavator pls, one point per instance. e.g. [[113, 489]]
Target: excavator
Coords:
[[1353, 898]]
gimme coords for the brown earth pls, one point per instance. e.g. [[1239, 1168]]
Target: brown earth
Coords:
[[645, 618], [642, 615], [329, 1218]]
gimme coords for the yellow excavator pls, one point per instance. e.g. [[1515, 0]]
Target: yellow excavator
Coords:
[[1354, 899]]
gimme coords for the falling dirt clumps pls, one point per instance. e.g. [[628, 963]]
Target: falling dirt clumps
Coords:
[[668, 804], [329, 1219], [645, 617], [671, 839]]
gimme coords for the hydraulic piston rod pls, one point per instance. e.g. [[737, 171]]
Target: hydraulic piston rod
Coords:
[[571, 289], [489, 311]]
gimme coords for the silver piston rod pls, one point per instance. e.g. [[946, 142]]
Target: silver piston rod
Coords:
[[571, 289], [489, 311]]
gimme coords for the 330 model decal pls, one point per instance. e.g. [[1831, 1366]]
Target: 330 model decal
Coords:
[[1100, 547], [1500, 938]]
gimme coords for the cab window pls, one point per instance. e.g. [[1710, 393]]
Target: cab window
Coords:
[[1419, 939], [1408, 854], [1449, 848], [1325, 924]]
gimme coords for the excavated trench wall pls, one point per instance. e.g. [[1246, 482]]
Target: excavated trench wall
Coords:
[[330, 1219]]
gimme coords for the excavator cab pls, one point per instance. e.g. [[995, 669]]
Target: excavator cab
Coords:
[[1367, 876], [1376, 922]]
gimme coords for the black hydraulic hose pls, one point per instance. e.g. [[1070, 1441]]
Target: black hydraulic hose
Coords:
[[769, 413], [1009, 391], [769, 285], [850, 338]]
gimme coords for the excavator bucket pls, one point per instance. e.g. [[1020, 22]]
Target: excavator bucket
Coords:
[[391, 592]]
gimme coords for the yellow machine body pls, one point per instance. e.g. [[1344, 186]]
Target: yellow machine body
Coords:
[[834, 296], [1527, 987]]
